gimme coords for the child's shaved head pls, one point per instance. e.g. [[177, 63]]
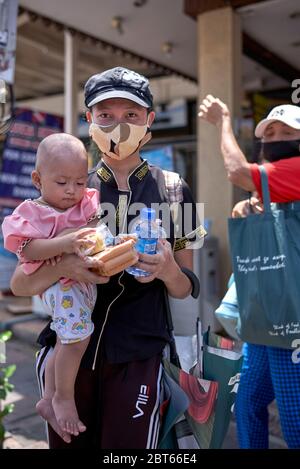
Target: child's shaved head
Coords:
[[57, 147], [61, 170]]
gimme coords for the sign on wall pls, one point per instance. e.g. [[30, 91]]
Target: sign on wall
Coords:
[[8, 27], [19, 153]]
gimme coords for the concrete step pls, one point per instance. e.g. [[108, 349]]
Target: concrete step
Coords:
[[29, 331], [11, 442], [25, 325]]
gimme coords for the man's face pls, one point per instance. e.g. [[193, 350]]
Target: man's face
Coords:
[[117, 110], [278, 131]]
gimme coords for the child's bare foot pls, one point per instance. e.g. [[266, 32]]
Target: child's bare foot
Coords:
[[45, 410], [67, 416]]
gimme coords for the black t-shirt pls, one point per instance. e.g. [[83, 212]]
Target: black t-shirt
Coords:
[[134, 313]]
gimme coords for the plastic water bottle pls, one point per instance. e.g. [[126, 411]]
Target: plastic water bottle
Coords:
[[148, 231]]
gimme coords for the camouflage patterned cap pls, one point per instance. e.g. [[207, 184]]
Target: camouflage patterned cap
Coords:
[[118, 82]]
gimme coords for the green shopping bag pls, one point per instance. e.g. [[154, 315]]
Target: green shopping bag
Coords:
[[197, 406], [265, 252], [223, 366], [218, 362], [187, 423], [172, 408]]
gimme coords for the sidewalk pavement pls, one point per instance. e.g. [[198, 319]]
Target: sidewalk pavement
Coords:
[[25, 429]]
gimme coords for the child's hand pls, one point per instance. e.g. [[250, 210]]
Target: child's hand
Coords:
[[53, 260], [79, 241]]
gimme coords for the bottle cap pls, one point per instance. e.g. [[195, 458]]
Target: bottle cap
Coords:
[[148, 214]]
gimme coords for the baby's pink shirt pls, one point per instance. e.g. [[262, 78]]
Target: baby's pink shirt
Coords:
[[32, 220]]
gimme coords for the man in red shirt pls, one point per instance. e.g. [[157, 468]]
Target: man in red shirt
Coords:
[[268, 372]]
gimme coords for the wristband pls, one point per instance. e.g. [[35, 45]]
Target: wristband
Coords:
[[194, 281]]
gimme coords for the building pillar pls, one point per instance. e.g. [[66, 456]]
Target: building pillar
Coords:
[[71, 84], [219, 60]]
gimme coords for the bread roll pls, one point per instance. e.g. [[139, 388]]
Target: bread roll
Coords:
[[116, 258], [99, 246]]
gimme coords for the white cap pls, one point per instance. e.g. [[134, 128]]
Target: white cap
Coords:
[[286, 113]]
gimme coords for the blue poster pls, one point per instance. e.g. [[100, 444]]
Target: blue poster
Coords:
[[19, 152], [161, 157]]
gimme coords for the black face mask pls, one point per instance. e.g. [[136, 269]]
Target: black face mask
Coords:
[[274, 151]]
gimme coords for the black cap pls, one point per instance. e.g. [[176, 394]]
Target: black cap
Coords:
[[118, 82]]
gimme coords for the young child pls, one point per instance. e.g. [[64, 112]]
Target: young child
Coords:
[[34, 232]]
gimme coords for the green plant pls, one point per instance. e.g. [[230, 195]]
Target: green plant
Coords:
[[5, 386]]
